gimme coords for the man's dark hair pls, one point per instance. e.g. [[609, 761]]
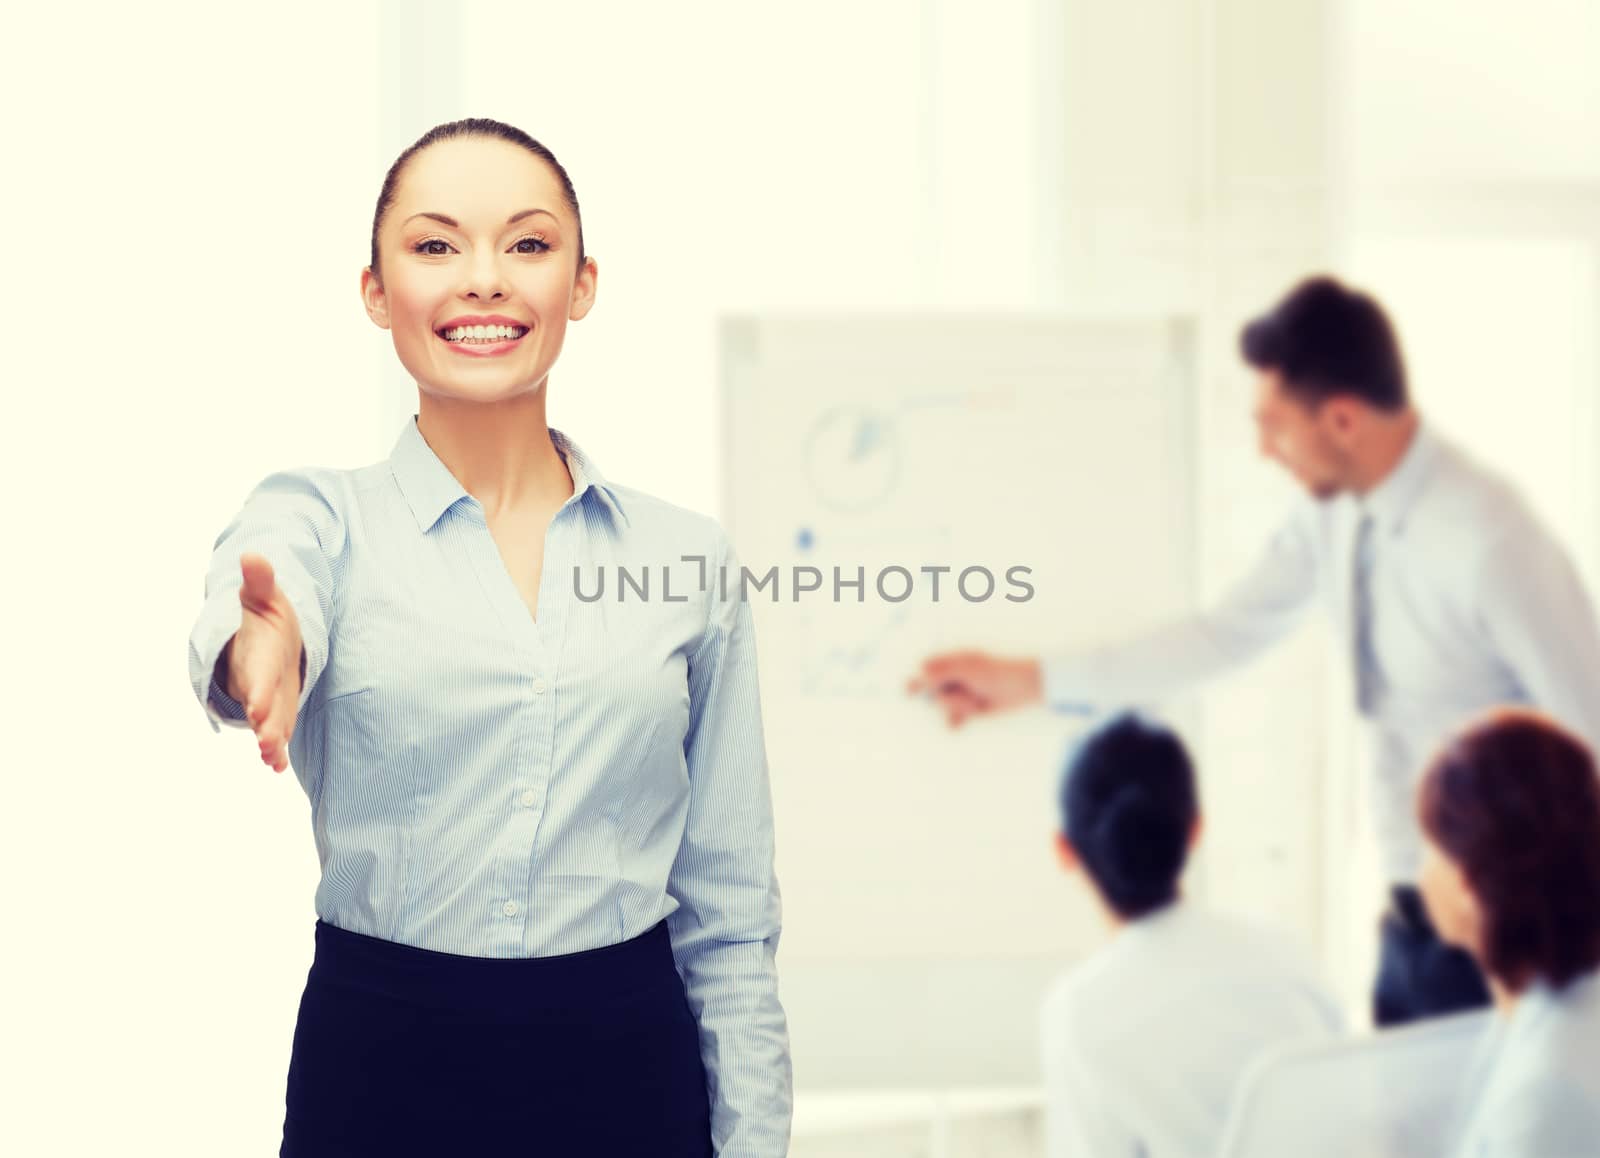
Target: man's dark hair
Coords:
[[1326, 339], [1128, 802]]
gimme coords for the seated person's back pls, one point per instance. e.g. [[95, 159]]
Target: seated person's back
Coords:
[[1144, 1043]]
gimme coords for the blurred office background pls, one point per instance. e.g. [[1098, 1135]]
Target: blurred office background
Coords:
[[191, 213]]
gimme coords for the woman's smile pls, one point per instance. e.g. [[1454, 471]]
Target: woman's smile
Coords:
[[482, 337]]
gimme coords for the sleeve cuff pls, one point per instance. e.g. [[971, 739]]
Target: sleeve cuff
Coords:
[[1062, 685], [217, 624], [221, 708]]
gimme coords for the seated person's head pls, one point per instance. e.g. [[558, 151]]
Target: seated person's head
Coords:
[[1510, 810], [1129, 814]]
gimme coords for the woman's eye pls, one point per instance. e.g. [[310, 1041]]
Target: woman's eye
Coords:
[[422, 246]]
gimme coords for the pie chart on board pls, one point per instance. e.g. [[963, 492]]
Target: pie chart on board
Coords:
[[852, 458]]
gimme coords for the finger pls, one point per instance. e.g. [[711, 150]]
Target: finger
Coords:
[[259, 583], [287, 710], [266, 714], [272, 735], [954, 667], [255, 695], [972, 705], [273, 754], [254, 712], [257, 710], [280, 726], [958, 694], [955, 704], [255, 565], [940, 690]]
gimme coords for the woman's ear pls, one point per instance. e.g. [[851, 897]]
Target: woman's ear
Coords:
[[1065, 853], [373, 298], [1195, 830], [584, 288]]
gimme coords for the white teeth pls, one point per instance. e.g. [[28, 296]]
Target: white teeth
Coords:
[[482, 333]]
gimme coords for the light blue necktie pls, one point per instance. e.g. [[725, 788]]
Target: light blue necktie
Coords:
[[1369, 680]]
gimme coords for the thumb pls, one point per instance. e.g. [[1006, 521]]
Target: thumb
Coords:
[[259, 582]]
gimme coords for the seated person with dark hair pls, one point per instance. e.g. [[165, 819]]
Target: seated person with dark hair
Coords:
[[1510, 812], [1144, 1042]]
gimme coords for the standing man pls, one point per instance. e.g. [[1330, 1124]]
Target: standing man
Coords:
[[1452, 595]]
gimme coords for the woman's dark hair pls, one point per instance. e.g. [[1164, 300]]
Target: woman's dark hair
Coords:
[[471, 127], [1326, 339], [1128, 803], [1515, 801]]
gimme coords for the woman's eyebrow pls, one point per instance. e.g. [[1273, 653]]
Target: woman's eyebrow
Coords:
[[454, 224]]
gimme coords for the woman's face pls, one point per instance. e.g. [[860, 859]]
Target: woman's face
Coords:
[[479, 264], [1452, 906]]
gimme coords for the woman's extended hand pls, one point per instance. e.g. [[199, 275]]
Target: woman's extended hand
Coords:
[[264, 660]]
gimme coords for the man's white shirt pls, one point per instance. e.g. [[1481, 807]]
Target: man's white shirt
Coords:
[[1474, 604]]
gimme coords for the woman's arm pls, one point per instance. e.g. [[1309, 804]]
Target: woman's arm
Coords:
[[726, 927], [294, 519]]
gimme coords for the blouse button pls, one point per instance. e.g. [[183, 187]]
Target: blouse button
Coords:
[[528, 798], [539, 685], [510, 908]]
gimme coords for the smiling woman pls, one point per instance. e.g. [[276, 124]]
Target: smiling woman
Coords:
[[548, 912], [461, 265]]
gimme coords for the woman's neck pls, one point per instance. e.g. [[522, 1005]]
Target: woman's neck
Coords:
[[1505, 998], [501, 453]]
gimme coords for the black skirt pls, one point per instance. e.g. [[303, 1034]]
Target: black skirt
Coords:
[[400, 1050]]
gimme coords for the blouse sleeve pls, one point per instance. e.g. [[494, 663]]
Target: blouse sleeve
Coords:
[[725, 930]]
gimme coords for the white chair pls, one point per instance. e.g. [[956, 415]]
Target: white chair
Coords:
[[918, 1123], [1388, 1094]]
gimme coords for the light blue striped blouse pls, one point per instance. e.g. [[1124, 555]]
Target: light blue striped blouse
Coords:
[[487, 785]]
